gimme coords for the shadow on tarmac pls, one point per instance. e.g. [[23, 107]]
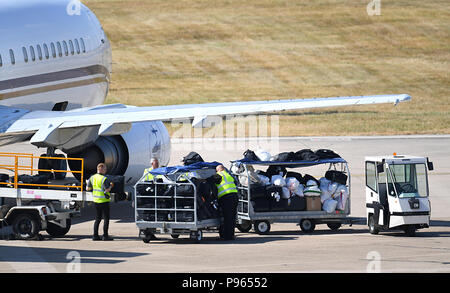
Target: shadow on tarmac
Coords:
[[252, 237], [58, 255], [214, 239], [440, 223], [72, 237], [423, 232], [121, 212]]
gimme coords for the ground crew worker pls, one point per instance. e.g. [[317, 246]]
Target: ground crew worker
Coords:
[[228, 200], [155, 164], [149, 177], [101, 186]]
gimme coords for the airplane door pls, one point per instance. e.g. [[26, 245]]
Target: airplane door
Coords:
[[393, 199], [376, 196]]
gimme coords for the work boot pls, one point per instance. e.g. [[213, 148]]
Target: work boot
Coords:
[[96, 238], [107, 238]]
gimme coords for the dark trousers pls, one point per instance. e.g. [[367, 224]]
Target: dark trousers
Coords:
[[102, 212], [228, 204]]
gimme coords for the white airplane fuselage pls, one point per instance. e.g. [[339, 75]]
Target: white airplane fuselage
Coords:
[[55, 51], [52, 52]]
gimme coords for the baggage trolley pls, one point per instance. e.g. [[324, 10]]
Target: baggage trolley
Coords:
[[261, 219], [169, 204]]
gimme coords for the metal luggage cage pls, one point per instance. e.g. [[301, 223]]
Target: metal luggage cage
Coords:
[[246, 214], [174, 225]]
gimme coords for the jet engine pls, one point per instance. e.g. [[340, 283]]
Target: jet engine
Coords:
[[127, 154]]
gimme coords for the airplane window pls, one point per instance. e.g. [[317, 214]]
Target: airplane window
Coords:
[[83, 47], [58, 44], [53, 49], [72, 50], [66, 50], [33, 56], [25, 54], [11, 55], [77, 46], [47, 55], [39, 50]]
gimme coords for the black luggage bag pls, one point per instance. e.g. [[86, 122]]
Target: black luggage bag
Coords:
[[295, 175], [326, 154], [280, 205], [261, 204], [308, 177], [119, 183], [145, 189], [251, 156], [296, 204], [258, 191], [4, 178], [275, 170], [192, 158], [306, 155], [35, 179], [336, 176], [285, 157]]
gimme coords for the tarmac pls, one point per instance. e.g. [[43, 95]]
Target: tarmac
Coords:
[[285, 249]]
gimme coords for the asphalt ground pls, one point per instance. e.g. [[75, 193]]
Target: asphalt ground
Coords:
[[285, 249]]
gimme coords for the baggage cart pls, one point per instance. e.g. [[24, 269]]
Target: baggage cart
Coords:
[[169, 204], [261, 220], [33, 203]]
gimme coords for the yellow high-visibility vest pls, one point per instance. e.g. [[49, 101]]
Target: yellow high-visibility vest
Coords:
[[149, 176], [227, 184], [184, 177], [97, 186]]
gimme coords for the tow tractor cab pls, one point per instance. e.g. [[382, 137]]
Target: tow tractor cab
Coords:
[[397, 193]]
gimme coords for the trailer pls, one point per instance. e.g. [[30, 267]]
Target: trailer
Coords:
[[261, 220], [172, 202], [35, 207]]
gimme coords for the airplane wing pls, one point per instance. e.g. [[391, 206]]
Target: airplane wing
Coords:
[[117, 118]]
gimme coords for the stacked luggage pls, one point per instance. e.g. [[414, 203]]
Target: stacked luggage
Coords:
[[276, 189], [176, 199], [25, 181]]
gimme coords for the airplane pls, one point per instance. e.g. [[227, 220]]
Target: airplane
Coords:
[[55, 68]]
